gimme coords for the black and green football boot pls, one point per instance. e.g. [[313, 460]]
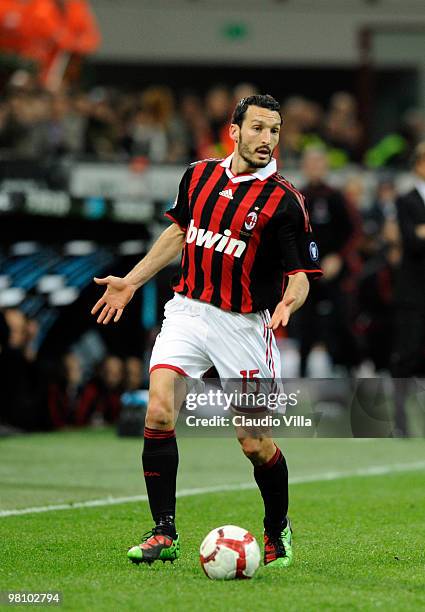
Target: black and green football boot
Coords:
[[278, 548], [156, 546]]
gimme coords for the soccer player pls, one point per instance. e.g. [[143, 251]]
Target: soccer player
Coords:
[[245, 235]]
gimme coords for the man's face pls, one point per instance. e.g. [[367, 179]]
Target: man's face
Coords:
[[258, 136], [315, 166]]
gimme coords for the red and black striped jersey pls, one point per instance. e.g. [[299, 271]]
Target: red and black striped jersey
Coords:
[[244, 234]]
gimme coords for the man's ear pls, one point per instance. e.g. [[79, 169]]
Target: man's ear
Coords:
[[234, 132]]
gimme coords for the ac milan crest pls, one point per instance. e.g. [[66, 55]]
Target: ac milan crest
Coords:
[[251, 220]]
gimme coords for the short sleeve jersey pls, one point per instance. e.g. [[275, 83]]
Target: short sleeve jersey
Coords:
[[244, 235]]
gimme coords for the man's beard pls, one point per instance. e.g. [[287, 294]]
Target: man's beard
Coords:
[[246, 156]]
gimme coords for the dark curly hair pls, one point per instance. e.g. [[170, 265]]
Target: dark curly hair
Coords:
[[263, 101]]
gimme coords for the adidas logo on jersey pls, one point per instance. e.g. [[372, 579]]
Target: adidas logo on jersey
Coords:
[[220, 242], [227, 193]]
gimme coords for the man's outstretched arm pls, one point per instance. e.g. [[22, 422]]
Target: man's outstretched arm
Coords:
[[119, 291]]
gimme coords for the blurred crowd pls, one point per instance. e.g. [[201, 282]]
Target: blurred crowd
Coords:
[[38, 394], [347, 320], [365, 317], [351, 321], [158, 125]]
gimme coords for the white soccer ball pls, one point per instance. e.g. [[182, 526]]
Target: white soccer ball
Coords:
[[229, 552]]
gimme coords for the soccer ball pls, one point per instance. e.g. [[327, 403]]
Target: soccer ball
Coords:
[[229, 552]]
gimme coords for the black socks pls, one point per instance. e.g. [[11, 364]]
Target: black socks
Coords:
[[160, 459], [272, 480], [160, 462]]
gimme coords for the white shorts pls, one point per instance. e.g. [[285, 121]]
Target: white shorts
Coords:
[[196, 336]]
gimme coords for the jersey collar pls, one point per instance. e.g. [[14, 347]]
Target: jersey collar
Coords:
[[262, 173]]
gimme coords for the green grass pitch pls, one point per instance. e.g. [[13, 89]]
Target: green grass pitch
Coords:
[[359, 540]]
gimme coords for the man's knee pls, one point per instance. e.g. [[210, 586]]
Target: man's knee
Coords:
[[250, 447], [257, 450], [160, 412], [166, 394]]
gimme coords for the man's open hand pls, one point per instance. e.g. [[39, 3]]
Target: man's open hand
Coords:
[[116, 297], [282, 313]]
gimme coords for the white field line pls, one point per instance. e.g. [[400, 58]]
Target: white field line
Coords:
[[377, 470]]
